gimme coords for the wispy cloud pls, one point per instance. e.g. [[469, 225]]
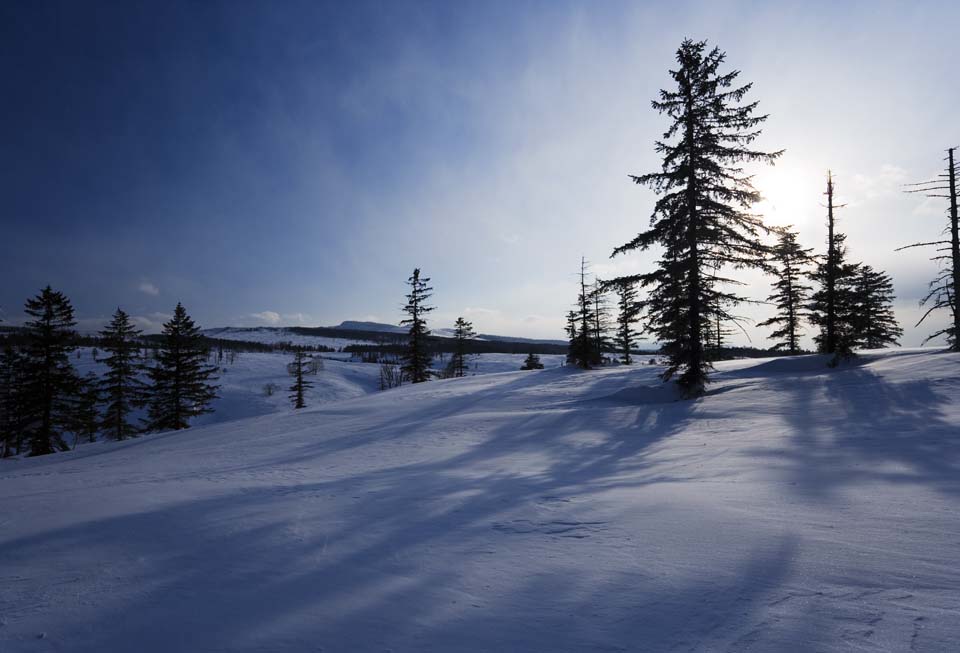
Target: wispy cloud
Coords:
[[148, 288]]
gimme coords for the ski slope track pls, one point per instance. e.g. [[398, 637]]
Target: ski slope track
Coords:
[[794, 508]]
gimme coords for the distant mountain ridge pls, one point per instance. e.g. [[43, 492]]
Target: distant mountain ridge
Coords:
[[359, 329]]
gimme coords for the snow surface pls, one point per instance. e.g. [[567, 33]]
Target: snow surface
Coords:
[[795, 508]]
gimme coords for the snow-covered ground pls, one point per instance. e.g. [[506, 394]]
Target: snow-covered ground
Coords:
[[795, 508]]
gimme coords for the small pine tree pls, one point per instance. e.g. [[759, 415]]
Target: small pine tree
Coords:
[[122, 388], [628, 312], [417, 358], [299, 369], [790, 294], [462, 332], [571, 336], [182, 383], [875, 326], [51, 381], [532, 362]]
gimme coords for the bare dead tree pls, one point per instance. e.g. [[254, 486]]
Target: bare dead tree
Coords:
[[942, 292]]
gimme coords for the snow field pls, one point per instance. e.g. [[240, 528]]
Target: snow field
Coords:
[[795, 508]]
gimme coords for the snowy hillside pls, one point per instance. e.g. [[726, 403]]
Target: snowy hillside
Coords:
[[795, 508]]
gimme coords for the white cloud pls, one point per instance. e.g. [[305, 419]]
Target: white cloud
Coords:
[[267, 317], [148, 288]]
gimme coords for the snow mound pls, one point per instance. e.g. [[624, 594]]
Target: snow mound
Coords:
[[556, 510]]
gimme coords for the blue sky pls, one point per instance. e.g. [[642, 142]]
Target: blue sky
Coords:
[[291, 162]]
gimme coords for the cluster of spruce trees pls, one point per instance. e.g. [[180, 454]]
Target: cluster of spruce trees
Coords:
[[703, 224], [43, 398]]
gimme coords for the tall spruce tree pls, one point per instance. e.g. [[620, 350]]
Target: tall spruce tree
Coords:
[[122, 388], [51, 383], [462, 332], [628, 313], [790, 295], [300, 383], [702, 217], [832, 306], [875, 323], [12, 415], [183, 384], [945, 288], [417, 357]]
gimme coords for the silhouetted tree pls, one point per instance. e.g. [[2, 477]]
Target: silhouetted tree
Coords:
[[945, 288], [583, 352], [182, 383], [85, 419], [300, 383], [571, 329], [532, 362], [12, 411], [702, 217], [875, 324], [600, 319], [122, 388], [462, 332], [832, 307], [628, 313], [417, 358], [51, 382], [790, 294]]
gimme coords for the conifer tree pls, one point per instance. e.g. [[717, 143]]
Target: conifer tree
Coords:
[[417, 358], [462, 332], [122, 388], [832, 307], [532, 362], [790, 294], [945, 288], [300, 383], [571, 336], [182, 383], [600, 319], [51, 382], [12, 416], [85, 419], [583, 352], [875, 325], [628, 313], [702, 217]]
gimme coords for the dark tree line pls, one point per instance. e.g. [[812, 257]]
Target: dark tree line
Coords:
[[43, 398]]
